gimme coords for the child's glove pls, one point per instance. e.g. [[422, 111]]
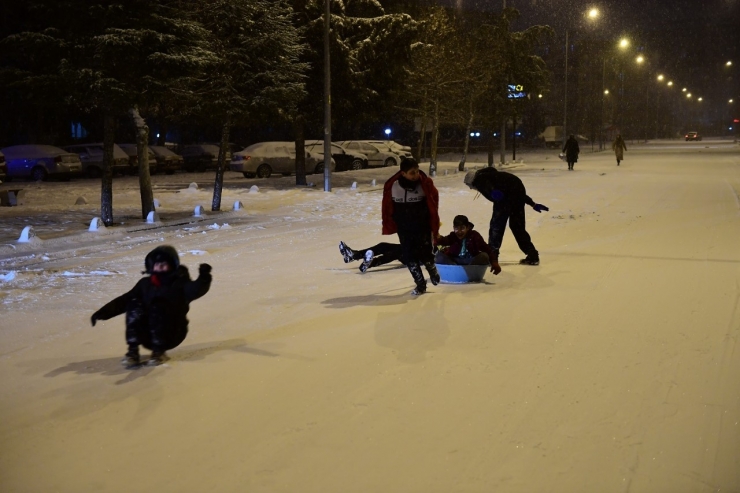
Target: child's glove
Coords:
[[95, 317], [539, 208], [497, 195], [204, 269], [495, 268]]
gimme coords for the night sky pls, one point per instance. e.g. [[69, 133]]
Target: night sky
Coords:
[[689, 40]]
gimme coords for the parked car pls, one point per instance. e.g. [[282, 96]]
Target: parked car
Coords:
[[91, 156], [132, 152], [345, 158], [201, 157], [3, 167], [265, 158], [403, 151], [692, 136], [39, 162], [376, 156], [167, 161]]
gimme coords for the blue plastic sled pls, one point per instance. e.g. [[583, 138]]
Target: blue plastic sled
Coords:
[[461, 274]]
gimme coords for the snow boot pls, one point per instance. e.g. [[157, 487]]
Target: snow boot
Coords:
[[131, 359], [530, 260], [367, 262], [157, 358], [419, 289], [433, 272], [346, 252]]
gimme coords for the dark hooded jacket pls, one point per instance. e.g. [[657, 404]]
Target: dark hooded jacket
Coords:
[[474, 243], [171, 292], [487, 180], [571, 150]]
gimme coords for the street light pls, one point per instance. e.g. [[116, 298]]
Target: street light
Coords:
[[729, 63], [688, 95], [606, 91], [670, 83], [683, 90], [593, 13], [640, 59], [624, 43], [660, 77]]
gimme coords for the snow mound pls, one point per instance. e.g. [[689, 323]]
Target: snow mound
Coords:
[[197, 252], [67, 273], [7, 277]]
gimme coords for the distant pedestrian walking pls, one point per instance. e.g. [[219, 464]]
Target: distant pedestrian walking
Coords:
[[571, 150], [619, 147]]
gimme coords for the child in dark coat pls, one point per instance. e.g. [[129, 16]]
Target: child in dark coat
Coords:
[[466, 246], [157, 306]]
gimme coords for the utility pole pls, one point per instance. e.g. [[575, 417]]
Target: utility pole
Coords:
[[327, 99], [565, 105], [503, 122]]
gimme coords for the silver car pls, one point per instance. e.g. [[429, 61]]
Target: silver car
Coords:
[[133, 159], [91, 156], [376, 156], [265, 158], [39, 162], [403, 151]]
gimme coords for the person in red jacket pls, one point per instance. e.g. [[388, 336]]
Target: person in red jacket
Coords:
[[411, 209], [465, 246]]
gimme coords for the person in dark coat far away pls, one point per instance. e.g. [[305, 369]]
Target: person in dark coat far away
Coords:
[[157, 306], [465, 246], [571, 150], [618, 146], [410, 208], [508, 195]]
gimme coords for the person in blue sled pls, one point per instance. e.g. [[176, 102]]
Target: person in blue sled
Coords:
[[509, 196], [157, 306], [465, 246]]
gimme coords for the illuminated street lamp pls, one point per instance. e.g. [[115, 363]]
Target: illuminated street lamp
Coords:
[[593, 13], [624, 43], [670, 83], [606, 91], [688, 95], [683, 90], [660, 77], [729, 63], [700, 99], [730, 101], [640, 59]]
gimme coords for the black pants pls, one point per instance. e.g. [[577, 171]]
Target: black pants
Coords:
[[514, 215], [416, 249], [151, 327], [382, 253]]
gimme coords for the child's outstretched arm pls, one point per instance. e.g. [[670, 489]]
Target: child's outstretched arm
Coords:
[[115, 307], [197, 288]]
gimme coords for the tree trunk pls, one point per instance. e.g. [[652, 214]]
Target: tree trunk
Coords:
[[491, 140], [221, 168], [145, 179], [106, 188], [471, 115], [513, 140], [300, 152], [435, 138], [422, 138]]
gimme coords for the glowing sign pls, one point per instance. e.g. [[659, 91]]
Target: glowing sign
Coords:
[[515, 91]]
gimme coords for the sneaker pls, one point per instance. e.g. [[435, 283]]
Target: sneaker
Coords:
[[530, 261], [346, 252], [130, 361], [157, 358], [367, 262]]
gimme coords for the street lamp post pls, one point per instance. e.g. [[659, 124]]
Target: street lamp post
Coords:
[[327, 99]]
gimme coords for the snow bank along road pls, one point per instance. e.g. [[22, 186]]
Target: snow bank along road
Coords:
[[611, 367]]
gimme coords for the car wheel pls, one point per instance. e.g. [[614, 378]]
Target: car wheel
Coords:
[[319, 169], [389, 162], [189, 168], [248, 175], [356, 164], [264, 171], [38, 173], [93, 172]]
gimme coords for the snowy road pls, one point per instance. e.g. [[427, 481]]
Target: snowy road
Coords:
[[611, 367]]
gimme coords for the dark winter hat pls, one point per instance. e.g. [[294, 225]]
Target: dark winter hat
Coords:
[[470, 178], [408, 164], [164, 253], [462, 221]]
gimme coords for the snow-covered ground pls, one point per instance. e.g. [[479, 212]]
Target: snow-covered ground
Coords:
[[611, 367]]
